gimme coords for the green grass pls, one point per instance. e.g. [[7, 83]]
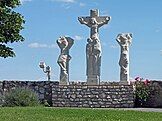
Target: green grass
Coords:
[[67, 114]]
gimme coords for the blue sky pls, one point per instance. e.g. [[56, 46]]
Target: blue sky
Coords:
[[47, 20]]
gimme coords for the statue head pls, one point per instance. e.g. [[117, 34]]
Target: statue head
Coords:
[[124, 38], [94, 12], [63, 41]]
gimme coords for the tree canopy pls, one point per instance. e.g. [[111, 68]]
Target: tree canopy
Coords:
[[11, 23]]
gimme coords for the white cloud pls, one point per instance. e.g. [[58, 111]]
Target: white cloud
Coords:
[[105, 26], [157, 30], [38, 45], [23, 1], [53, 46], [104, 13], [161, 52], [65, 1], [104, 43], [114, 46], [76, 37], [82, 4], [66, 6]]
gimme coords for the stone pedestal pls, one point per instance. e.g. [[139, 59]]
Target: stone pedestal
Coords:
[[93, 79], [123, 82], [64, 79]]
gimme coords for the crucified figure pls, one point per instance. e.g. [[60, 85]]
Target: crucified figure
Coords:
[[93, 48]]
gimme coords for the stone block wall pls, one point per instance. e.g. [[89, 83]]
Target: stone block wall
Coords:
[[83, 95], [42, 88], [76, 95], [97, 96]]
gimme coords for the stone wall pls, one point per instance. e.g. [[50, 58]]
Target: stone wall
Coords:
[[93, 96], [42, 88], [76, 95], [82, 95]]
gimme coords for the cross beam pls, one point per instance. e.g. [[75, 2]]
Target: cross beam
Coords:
[[94, 21]]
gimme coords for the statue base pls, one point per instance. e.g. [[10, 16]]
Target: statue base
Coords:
[[124, 82], [64, 79], [93, 80], [63, 83]]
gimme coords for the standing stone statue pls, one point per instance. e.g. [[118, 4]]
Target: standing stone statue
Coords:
[[93, 55], [124, 41], [65, 43], [93, 48]]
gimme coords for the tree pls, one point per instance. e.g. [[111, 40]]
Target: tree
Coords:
[[10, 26]]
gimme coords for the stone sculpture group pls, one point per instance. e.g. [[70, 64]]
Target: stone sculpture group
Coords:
[[93, 51]]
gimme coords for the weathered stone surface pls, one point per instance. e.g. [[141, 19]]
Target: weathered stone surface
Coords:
[[65, 43], [94, 96], [77, 96], [93, 47], [124, 41], [42, 88]]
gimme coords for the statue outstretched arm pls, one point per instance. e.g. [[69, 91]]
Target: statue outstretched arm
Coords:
[[120, 38], [70, 42], [59, 43], [104, 22], [82, 21]]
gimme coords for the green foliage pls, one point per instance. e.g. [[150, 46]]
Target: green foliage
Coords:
[[142, 91], [1, 100], [71, 114], [10, 26], [21, 97]]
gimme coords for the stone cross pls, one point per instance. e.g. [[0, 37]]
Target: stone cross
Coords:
[[65, 43], [93, 48], [124, 41]]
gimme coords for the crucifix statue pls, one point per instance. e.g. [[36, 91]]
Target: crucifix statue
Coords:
[[93, 48]]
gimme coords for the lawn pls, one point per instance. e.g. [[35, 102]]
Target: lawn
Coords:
[[69, 114]]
